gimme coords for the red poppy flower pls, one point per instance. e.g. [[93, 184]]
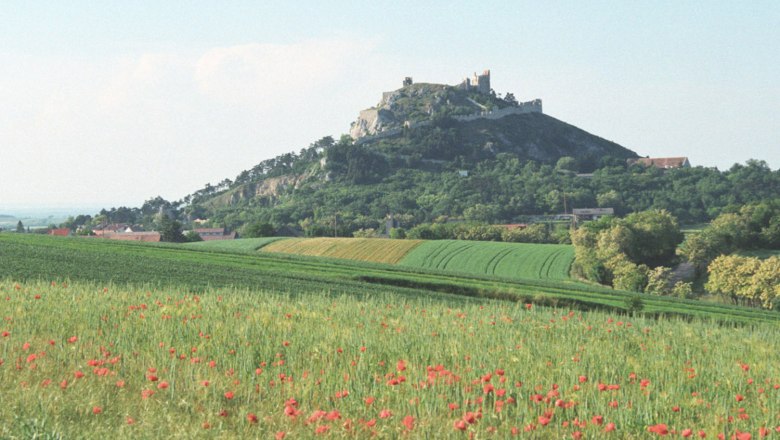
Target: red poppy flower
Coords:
[[660, 429]]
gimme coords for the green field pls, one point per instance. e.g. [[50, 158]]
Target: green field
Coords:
[[511, 260], [30, 257], [377, 250], [242, 245]]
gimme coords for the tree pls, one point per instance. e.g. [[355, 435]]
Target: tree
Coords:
[[259, 229], [566, 163], [192, 237], [656, 235], [746, 279], [20, 227], [170, 230], [619, 252], [510, 98], [398, 233]]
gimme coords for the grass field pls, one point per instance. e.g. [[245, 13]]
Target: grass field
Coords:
[[511, 260], [26, 257], [242, 245], [127, 362], [377, 250]]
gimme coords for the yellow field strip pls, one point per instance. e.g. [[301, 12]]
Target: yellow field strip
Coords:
[[377, 250]]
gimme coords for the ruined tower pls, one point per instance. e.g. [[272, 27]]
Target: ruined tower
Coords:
[[478, 83]]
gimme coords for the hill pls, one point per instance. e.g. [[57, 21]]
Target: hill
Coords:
[[416, 142], [436, 153]]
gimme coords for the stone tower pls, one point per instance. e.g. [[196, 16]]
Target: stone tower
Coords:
[[478, 83]]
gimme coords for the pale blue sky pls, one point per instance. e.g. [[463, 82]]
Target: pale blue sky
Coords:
[[113, 103]]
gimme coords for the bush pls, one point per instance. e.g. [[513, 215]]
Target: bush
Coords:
[[682, 290], [365, 233], [192, 236], [634, 303], [259, 229], [398, 233]]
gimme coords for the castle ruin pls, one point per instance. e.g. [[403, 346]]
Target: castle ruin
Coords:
[[478, 83], [381, 121]]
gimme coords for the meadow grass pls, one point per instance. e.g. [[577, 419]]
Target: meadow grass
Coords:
[[130, 362]]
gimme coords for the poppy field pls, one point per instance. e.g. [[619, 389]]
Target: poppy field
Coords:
[[92, 360]]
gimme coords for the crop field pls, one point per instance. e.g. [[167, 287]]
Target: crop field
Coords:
[[377, 250], [511, 260], [28, 257], [127, 362], [242, 245]]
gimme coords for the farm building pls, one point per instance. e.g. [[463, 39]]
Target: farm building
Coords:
[[60, 232]]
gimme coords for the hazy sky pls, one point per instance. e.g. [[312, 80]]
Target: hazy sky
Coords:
[[112, 103]]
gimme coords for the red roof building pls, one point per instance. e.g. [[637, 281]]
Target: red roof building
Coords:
[[60, 232]]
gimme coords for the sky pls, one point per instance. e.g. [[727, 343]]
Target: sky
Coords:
[[107, 104]]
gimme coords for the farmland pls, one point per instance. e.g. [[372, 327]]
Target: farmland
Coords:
[[130, 362], [512, 260], [29, 257], [377, 250], [243, 245]]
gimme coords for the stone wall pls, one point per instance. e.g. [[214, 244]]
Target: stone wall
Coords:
[[534, 106]]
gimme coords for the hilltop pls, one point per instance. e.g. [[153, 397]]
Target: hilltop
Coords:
[[434, 132], [437, 153]]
